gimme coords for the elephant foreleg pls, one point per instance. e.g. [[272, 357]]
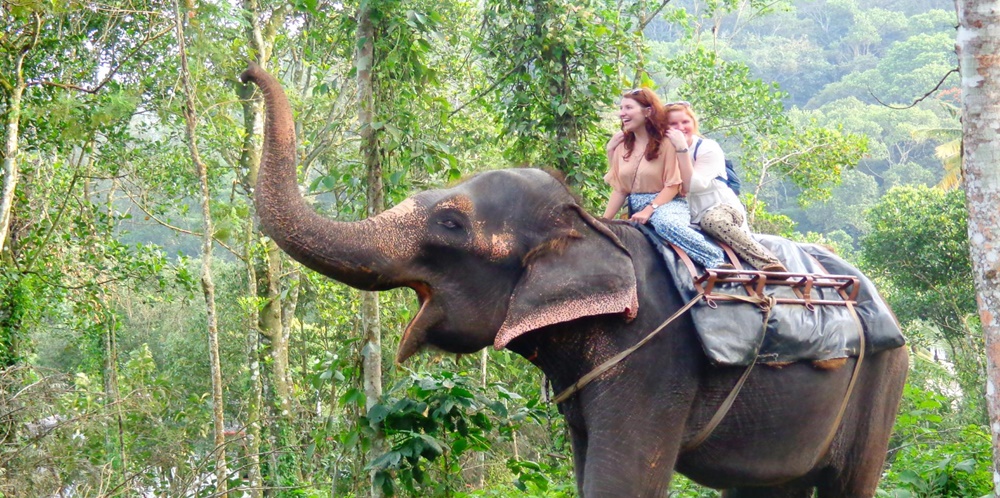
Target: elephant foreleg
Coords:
[[579, 440], [618, 467]]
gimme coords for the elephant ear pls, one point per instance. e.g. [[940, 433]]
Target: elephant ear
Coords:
[[583, 270]]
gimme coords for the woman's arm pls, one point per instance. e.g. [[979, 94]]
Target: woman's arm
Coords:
[[677, 139], [615, 203], [711, 162], [618, 196], [664, 196], [615, 141]]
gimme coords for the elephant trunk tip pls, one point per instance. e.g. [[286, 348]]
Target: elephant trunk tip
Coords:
[[253, 72]]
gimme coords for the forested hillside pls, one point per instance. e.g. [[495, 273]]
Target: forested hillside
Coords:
[[153, 342]]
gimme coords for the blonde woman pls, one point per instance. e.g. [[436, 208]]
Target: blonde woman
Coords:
[[713, 205]]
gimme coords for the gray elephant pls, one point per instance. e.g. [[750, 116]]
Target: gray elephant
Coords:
[[508, 258]]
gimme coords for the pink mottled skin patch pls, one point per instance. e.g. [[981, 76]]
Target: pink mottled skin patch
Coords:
[[460, 203], [502, 246], [479, 242], [493, 246], [623, 301], [394, 230]]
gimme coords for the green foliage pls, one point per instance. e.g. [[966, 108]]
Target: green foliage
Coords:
[[838, 241], [846, 206], [728, 98], [763, 221], [17, 304], [69, 424], [813, 159], [771, 147], [557, 64], [432, 415], [918, 240], [919, 248], [932, 458], [404, 78], [925, 58], [799, 67]]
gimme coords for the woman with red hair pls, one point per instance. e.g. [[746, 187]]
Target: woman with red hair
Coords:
[[643, 174]]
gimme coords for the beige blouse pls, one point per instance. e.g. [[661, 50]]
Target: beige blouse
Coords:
[[652, 177]]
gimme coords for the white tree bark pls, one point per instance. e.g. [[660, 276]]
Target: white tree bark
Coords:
[[11, 136], [978, 46]]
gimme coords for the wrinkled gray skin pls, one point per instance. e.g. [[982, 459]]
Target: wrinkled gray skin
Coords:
[[508, 258]]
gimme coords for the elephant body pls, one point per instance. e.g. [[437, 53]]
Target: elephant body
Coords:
[[509, 258], [628, 426]]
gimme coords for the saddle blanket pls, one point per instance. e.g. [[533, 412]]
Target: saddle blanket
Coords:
[[732, 332]]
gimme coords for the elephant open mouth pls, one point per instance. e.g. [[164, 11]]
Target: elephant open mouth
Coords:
[[415, 335]]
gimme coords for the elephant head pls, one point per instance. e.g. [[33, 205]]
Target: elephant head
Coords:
[[503, 253]]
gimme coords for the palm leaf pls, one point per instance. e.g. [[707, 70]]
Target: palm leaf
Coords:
[[950, 154]]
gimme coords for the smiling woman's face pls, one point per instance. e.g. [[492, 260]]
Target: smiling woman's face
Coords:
[[632, 115], [679, 120]]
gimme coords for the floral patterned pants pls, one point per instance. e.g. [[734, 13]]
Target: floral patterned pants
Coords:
[[672, 221]]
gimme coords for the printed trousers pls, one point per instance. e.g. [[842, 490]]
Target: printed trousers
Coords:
[[672, 221], [725, 223]]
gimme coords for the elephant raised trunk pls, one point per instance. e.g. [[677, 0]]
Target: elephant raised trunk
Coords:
[[361, 254]]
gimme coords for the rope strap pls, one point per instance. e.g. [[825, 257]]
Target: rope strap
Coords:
[[604, 367], [825, 447], [766, 305]]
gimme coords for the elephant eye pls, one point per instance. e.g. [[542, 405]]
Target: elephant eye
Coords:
[[449, 224]]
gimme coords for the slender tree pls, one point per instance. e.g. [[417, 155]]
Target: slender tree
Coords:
[[262, 27], [207, 284], [371, 325], [21, 45], [978, 46]]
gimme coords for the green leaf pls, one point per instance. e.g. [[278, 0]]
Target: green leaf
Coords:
[[388, 460], [378, 413]]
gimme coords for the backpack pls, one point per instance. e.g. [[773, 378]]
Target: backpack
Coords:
[[732, 178]]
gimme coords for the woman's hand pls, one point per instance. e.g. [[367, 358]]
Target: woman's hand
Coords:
[[677, 139], [615, 141], [643, 215]]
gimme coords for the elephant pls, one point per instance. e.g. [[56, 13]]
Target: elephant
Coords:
[[509, 258]]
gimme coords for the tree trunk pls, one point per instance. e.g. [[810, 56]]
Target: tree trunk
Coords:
[[479, 475], [207, 285], [978, 45], [256, 401], [111, 386], [271, 327], [10, 153], [269, 322], [371, 326], [249, 166]]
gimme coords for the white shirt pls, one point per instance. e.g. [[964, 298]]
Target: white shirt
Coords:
[[706, 190]]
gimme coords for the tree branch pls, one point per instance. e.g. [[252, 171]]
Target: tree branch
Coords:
[[176, 228], [915, 102], [652, 16], [110, 75], [488, 90]]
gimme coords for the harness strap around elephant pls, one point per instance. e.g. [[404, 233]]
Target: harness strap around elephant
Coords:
[[753, 282]]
